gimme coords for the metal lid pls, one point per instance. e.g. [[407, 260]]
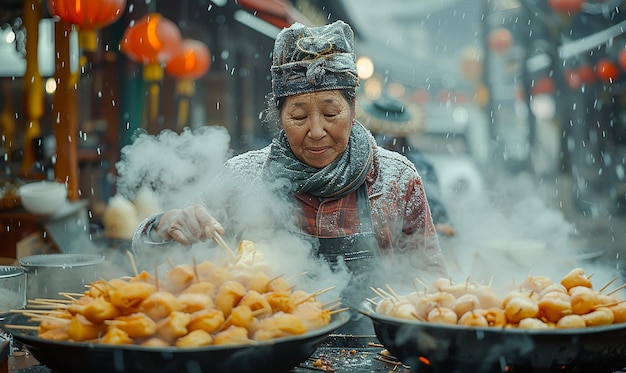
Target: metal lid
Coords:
[[11, 271], [61, 260]]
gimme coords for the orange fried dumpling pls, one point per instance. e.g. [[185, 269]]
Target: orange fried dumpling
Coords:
[[258, 282], [280, 301], [257, 303], [229, 295], [127, 295], [207, 320], [278, 284], [234, 335], [145, 277], [81, 329], [218, 276], [195, 338], [202, 287], [154, 342], [242, 316], [576, 277], [136, 325], [204, 268], [160, 304], [192, 302], [174, 326], [312, 314], [180, 277], [59, 334], [281, 324], [97, 310], [116, 336]]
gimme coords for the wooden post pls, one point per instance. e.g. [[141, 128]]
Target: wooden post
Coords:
[[65, 112], [33, 86]]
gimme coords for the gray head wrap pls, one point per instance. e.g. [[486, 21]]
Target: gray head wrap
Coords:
[[309, 59]]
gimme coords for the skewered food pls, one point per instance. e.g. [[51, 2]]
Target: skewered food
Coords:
[[537, 303], [193, 305]]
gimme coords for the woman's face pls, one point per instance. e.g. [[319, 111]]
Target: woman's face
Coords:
[[317, 126]]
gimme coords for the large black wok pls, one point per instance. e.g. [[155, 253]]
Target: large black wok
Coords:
[[430, 347], [276, 355]]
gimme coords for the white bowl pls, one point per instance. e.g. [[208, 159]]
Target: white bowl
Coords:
[[43, 197]]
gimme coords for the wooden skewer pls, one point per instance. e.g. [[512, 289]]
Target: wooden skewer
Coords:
[[339, 310], [372, 301], [333, 306], [195, 269], [417, 316], [315, 294], [392, 291], [49, 300], [170, 263], [156, 276], [331, 302], [45, 312], [25, 327], [69, 296], [617, 289], [132, 262], [379, 293], [609, 305], [221, 243], [607, 284], [64, 293]]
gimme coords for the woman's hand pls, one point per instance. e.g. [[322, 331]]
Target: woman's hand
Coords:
[[188, 225]]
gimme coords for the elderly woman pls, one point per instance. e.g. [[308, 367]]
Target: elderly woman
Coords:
[[357, 201]]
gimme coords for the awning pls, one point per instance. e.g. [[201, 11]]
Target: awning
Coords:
[[280, 13]]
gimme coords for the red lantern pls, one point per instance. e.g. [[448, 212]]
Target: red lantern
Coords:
[[499, 40], [191, 61], [542, 86], [607, 70], [586, 74], [566, 6], [572, 77], [88, 14], [152, 39]]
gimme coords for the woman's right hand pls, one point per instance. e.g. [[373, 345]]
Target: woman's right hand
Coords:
[[188, 225]]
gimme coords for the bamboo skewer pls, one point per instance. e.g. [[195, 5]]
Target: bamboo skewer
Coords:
[[221, 243], [315, 294], [132, 262], [607, 284], [25, 327], [617, 289], [339, 310]]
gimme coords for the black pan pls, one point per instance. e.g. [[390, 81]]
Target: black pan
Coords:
[[430, 347], [276, 355]]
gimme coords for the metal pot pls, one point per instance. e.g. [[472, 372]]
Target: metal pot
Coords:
[[434, 348], [50, 274]]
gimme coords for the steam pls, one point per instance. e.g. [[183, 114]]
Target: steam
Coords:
[[181, 169], [512, 232]]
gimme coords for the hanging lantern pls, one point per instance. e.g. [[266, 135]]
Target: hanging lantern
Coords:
[[88, 15], [566, 6], [152, 41], [586, 74], [191, 61], [572, 78], [607, 70], [499, 40], [542, 86]]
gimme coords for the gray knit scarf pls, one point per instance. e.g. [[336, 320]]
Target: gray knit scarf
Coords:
[[344, 175]]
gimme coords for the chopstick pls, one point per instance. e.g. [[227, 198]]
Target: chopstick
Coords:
[[221, 243]]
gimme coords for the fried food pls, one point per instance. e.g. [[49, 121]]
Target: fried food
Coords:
[[536, 303], [191, 305]]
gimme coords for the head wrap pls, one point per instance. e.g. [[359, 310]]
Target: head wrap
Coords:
[[309, 59]]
